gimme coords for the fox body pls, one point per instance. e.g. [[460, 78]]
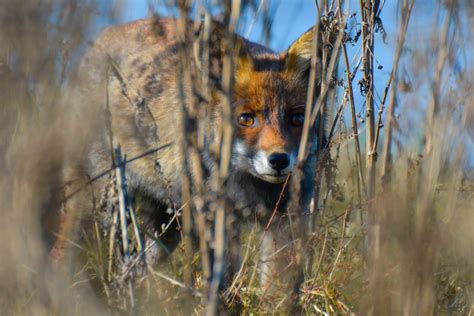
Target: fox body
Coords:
[[131, 90]]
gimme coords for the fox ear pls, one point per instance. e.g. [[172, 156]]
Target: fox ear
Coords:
[[217, 34], [298, 55], [244, 61]]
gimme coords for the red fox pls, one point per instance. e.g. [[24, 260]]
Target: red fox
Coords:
[[129, 90]]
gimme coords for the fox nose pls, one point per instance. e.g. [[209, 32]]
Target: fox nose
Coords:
[[279, 161]]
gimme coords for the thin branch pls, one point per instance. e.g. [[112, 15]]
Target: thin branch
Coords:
[[406, 13], [123, 206], [358, 157], [341, 245], [311, 88], [232, 12]]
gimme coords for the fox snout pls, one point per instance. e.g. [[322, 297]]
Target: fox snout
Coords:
[[274, 166], [279, 161], [270, 165]]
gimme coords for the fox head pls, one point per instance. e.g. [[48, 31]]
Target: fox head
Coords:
[[269, 109]]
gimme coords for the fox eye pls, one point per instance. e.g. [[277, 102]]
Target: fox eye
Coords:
[[247, 119], [297, 119]]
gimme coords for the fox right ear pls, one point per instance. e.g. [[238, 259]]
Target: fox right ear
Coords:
[[217, 33], [299, 54]]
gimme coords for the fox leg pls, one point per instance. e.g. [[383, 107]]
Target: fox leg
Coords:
[[160, 227], [76, 202], [64, 266], [275, 257]]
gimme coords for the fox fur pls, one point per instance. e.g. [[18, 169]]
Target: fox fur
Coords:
[[130, 89]]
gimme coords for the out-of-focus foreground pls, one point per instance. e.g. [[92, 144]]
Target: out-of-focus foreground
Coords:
[[390, 230]]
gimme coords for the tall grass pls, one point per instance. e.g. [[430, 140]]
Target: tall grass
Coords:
[[388, 234]]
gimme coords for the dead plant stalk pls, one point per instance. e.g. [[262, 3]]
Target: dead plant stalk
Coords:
[[386, 155]]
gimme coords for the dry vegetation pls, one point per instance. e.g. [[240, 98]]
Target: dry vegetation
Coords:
[[389, 227]]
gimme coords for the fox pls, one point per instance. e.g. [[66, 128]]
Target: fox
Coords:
[[131, 89]]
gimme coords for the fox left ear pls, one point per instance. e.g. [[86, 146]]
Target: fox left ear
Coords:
[[299, 54]]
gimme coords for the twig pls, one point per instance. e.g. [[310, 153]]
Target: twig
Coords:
[[186, 110], [196, 159], [123, 206], [443, 52], [311, 88], [321, 257], [122, 196], [106, 172], [358, 158], [406, 13], [135, 227], [336, 119], [341, 245], [175, 282], [232, 11], [113, 232], [368, 9], [277, 205]]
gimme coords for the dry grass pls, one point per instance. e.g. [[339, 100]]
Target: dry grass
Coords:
[[392, 235]]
